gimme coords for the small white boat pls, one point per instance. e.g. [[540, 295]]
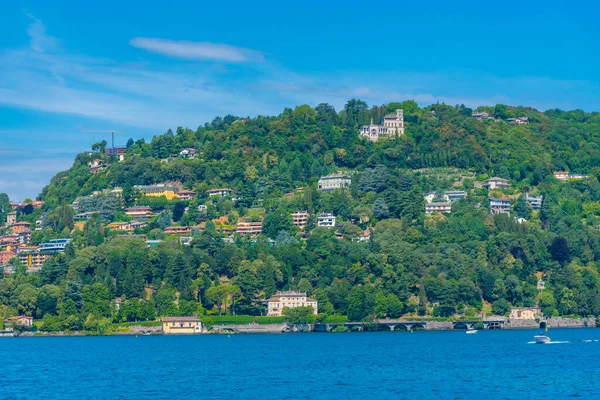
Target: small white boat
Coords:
[[541, 339], [471, 331]]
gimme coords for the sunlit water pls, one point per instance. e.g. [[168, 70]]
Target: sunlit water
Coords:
[[390, 365]]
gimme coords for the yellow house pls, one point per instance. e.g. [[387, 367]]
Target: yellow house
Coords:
[[524, 313], [161, 189], [181, 325]]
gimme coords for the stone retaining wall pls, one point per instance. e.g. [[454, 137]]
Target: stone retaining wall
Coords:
[[555, 322]]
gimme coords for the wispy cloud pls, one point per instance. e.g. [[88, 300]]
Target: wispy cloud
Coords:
[[197, 50], [40, 40]]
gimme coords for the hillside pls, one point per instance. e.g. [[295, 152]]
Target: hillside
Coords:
[[385, 256]]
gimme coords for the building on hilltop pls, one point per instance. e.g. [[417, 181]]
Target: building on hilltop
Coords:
[[188, 152], [219, 192], [11, 218], [481, 115], [300, 219], [249, 228], [160, 189], [535, 202], [500, 206], [393, 126], [54, 246], [185, 195], [181, 325], [178, 230], [561, 175], [455, 195], [519, 120], [19, 227], [6, 256], [336, 181], [326, 220], [290, 299], [497, 183], [439, 208], [32, 258], [578, 176], [139, 212]]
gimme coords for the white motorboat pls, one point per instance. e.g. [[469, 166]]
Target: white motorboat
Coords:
[[471, 331], [541, 339]]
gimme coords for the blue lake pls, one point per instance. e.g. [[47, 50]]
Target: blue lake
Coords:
[[440, 365]]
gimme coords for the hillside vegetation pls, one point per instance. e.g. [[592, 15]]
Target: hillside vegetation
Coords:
[[461, 263]]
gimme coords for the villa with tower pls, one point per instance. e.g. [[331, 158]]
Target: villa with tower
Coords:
[[393, 126]]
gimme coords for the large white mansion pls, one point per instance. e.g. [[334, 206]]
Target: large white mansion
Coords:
[[393, 125]]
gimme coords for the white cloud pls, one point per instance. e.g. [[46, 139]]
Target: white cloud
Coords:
[[197, 50], [40, 40]]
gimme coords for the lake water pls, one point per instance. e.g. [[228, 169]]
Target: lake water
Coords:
[[366, 365]]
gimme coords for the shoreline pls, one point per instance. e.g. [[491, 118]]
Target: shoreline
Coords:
[[348, 327]]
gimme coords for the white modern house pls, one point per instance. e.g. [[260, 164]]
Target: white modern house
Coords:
[[500, 206], [326, 220], [439, 208]]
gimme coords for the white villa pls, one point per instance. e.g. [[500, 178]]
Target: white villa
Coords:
[[291, 300], [336, 181], [393, 125]]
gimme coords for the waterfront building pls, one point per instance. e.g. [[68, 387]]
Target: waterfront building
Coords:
[[439, 208], [525, 313], [497, 183], [500, 206], [393, 126], [326, 220], [54, 246], [181, 325], [289, 299], [336, 181], [160, 189], [22, 320], [220, 192], [300, 219]]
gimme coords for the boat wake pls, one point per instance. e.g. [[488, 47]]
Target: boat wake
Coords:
[[567, 341]]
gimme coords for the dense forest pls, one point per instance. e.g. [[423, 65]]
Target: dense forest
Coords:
[[467, 262]]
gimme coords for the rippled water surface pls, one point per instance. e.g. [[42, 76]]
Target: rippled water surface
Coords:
[[440, 365]]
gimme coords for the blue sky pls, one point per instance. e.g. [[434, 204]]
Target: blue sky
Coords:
[[145, 66]]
